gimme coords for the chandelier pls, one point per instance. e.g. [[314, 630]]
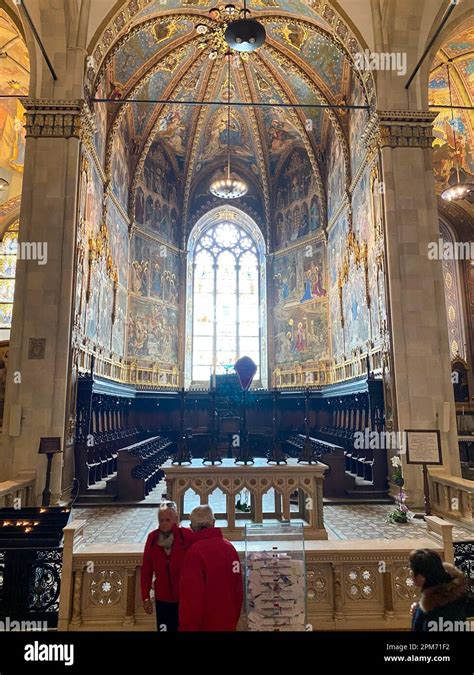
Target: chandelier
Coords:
[[459, 188], [230, 29], [228, 186]]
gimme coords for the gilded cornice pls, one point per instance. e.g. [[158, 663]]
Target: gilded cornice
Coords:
[[57, 118], [406, 128]]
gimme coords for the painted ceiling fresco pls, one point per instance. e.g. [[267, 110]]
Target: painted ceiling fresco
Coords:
[[452, 77], [14, 65], [14, 80], [156, 58]]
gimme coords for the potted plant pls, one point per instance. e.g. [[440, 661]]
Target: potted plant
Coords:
[[400, 513]]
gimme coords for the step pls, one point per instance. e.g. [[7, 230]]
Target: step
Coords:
[[370, 495], [95, 500], [356, 499]]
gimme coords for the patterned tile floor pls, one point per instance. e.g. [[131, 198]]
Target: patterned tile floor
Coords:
[[119, 524]]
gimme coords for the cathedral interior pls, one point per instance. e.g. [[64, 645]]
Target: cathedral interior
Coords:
[[242, 278]]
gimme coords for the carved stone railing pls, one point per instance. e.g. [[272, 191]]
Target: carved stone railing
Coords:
[[17, 493], [351, 585], [452, 497]]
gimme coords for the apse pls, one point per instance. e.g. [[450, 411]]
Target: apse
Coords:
[[176, 113]]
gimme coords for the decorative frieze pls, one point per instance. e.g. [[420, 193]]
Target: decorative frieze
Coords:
[[406, 128], [57, 119]]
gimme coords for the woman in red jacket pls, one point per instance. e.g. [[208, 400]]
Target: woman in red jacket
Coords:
[[163, 557]]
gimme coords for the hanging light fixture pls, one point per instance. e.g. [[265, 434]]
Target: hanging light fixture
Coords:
[[229, 186], [245, 35], [460, 189]]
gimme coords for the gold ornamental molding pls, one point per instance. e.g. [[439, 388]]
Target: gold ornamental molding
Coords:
[[57, 119], [406, 129]]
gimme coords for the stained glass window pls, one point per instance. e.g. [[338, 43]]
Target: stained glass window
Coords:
[[8, 250], [226, 301]]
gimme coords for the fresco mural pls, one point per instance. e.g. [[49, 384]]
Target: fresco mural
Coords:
[[142, 46], [335, 174], [12, 148], [354, 304], [297, 207], [120, 169], [153, 287], [321, 54], [337, 237], [118, 330], [152, 329], [299, 7], [102, 249], [300, 305], [362, 216], [100, 116], [14, 81], [119, 242], [358, 120], [154, 270], [156, 205], [453, 144]]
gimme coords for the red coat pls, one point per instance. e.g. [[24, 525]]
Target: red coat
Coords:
[[211, 589], [167, 568]]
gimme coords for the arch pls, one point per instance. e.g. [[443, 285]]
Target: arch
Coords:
[[209, 223]]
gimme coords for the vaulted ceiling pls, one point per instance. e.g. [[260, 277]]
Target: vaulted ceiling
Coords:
[[154, 56], [454, 130]]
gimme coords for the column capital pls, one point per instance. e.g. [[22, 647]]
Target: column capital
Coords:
[[58, 118], [406, 128]]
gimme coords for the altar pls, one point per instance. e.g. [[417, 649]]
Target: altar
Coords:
[[301, 484]]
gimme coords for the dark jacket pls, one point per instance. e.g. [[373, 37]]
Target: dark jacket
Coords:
[[442, 603], [211, 588], [167, 568]]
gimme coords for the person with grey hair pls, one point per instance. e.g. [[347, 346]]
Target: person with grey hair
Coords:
[[211, 588], [163, 557]]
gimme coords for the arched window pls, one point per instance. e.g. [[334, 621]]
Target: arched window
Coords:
[[8, 251], [226, 296]]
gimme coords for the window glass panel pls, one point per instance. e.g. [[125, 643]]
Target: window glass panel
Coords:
[[202, 358], [217, 253], [8, 252], [201, 373], [203, 344]]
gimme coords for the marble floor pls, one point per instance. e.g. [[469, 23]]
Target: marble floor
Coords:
[[121, 524]]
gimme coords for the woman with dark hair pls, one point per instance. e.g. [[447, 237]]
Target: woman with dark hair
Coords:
[[443, 592]]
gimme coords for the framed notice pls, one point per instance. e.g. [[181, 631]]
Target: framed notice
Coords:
[[423, 446]]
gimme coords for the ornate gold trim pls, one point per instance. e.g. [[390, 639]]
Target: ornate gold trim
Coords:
[[406, 128]]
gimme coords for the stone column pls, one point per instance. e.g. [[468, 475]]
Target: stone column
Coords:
[[39, 357], [420, 351]]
